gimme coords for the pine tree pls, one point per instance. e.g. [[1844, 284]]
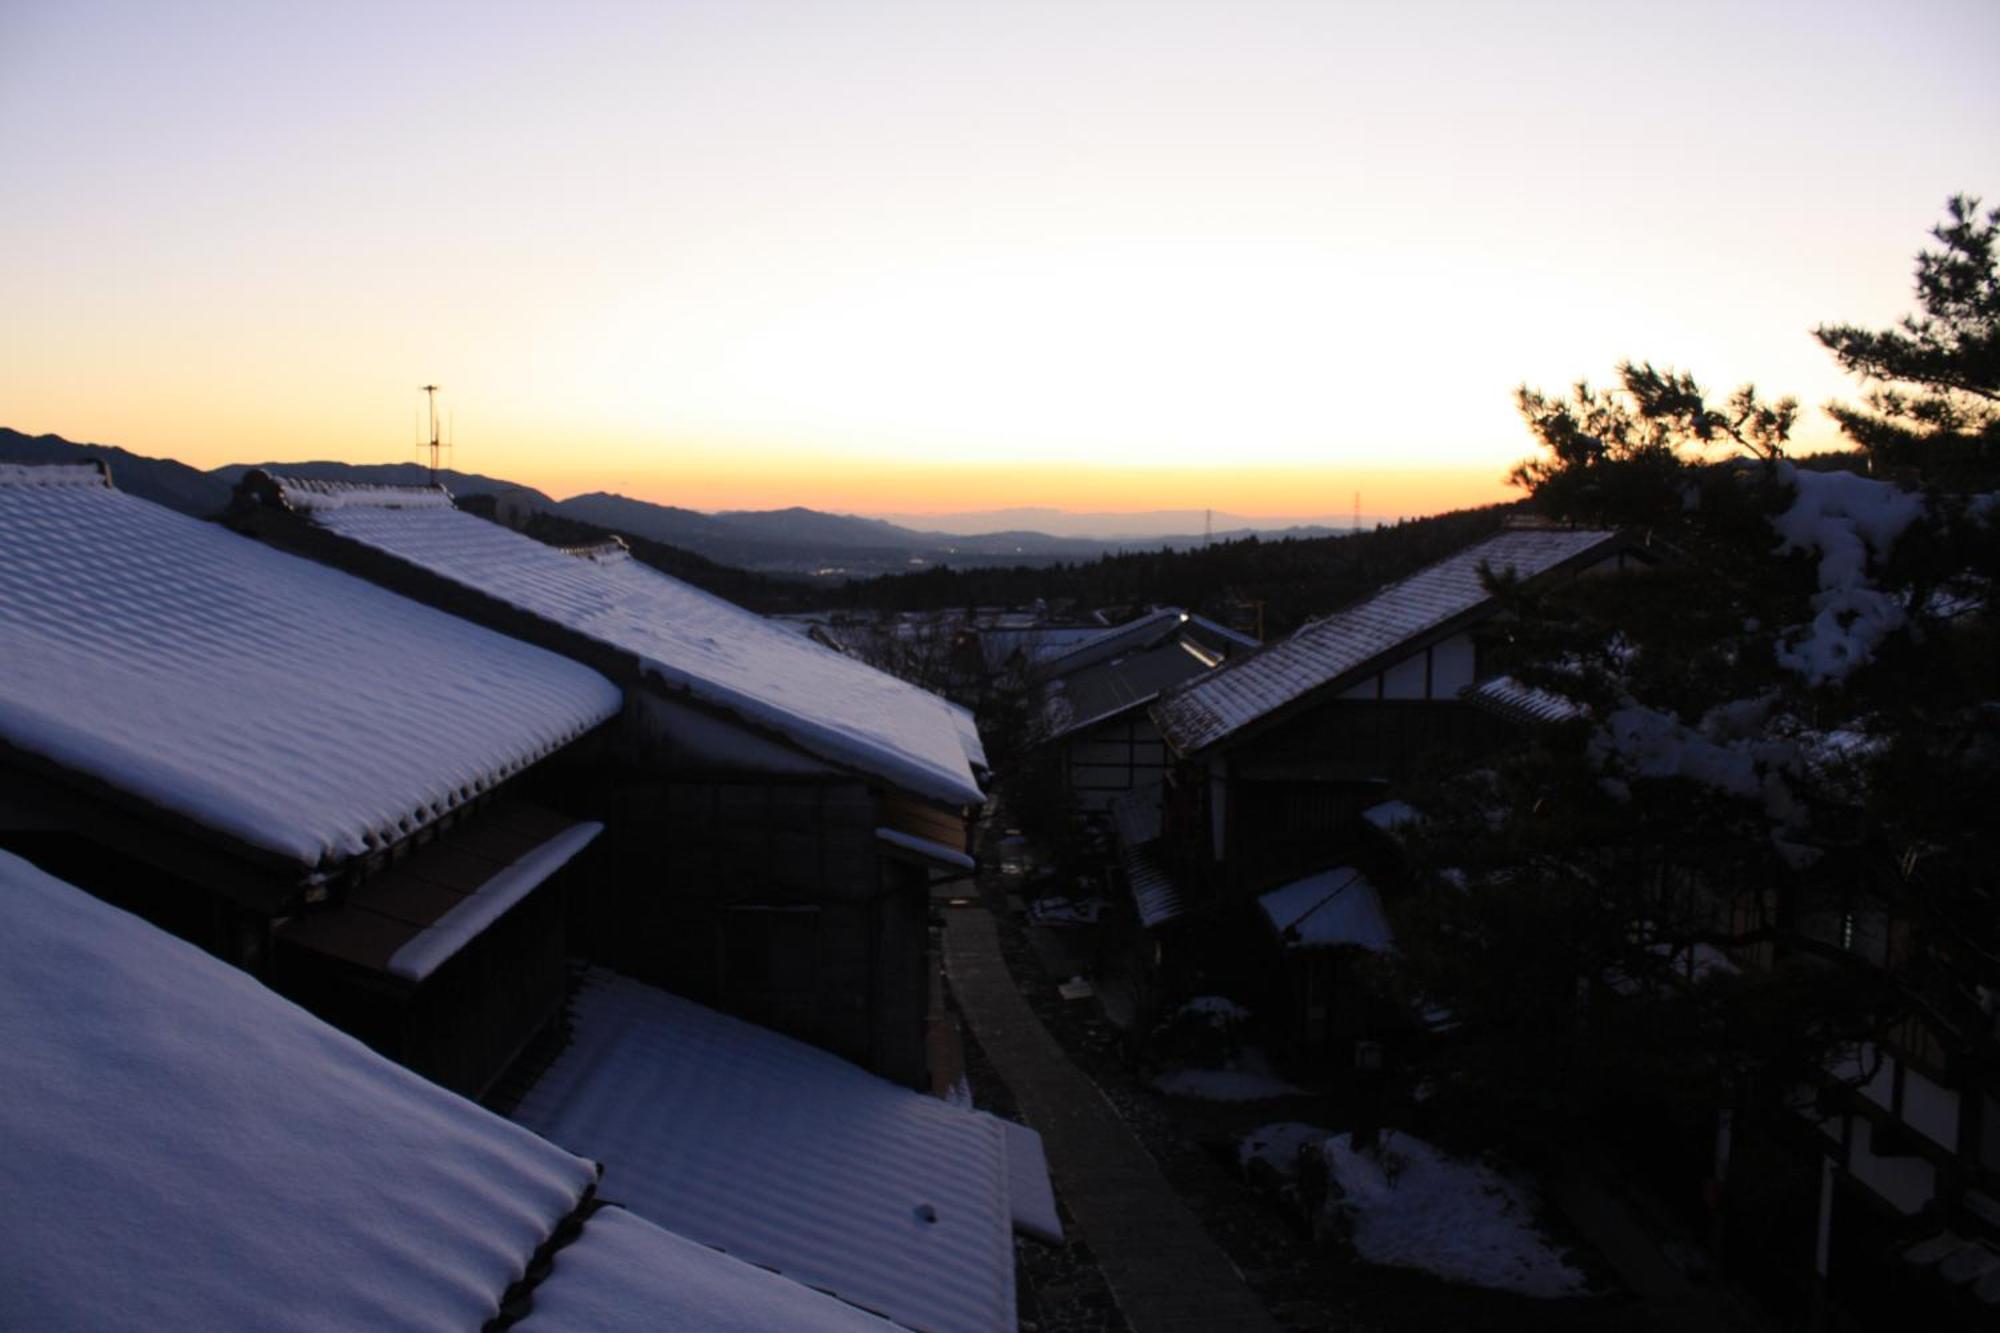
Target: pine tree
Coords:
[[1762, 843], [1933, 381]]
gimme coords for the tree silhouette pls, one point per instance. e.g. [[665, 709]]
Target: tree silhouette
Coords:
[[1933, 381]]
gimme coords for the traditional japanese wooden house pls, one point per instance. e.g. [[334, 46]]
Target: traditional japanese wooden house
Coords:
[[320, 782], [1092, 700], [1278, 751], [776, 810]]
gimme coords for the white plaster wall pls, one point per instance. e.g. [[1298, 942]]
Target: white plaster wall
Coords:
[[1931, 1110], [1908, 1183], [1451, 666], [1404, 680]]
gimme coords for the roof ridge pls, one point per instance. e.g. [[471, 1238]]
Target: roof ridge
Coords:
[[329, 493], [90, 473]]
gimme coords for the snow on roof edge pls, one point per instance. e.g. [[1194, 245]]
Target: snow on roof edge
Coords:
[[836, 742], [92, 473], [435, 945], [308, 493]]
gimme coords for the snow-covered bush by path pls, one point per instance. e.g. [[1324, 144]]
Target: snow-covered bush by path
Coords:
[[1206, 1031], [1410, 1205], [1202, 1044], [1845, 518]]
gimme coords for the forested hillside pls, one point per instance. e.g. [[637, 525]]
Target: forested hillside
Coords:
[[1292, 578]]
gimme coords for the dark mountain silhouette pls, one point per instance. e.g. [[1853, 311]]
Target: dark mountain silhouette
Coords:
[[638, 518], [161, 480]]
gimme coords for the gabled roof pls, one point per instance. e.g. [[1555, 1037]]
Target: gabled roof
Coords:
[[722, 656], [1145, 632], [280, 703], [1110, 689], [792, 1158], [1325, 654], [186, 1150]]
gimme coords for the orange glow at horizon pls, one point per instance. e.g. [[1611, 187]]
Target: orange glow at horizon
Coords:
[[901, 488]]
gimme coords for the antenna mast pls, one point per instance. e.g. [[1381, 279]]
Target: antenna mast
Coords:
[[1357, 511], [431, 392], [1208, 529]]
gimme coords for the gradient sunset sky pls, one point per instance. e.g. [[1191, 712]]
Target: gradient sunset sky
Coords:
[[920, 257]]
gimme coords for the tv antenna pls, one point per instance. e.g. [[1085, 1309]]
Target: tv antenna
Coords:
[[431, 392]]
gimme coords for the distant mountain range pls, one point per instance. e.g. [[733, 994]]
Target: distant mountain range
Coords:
[[792, 541], [1145, 525]]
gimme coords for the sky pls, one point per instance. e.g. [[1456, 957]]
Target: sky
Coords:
[[1259, 257]]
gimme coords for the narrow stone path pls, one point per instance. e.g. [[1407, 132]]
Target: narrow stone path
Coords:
[[1168, 1276]]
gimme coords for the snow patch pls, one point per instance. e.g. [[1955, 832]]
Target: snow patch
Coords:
[[1278, 1145], [1410, 1205], [1248, 1078]]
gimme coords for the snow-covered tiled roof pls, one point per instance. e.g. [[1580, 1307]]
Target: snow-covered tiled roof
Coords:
[[186, 1150], [786, 1156], [828, 704], [285, 704], [1322, 652], [318, 495], [968, 735], [1144, 632], [1094, 694], [1330, 908], [1109, 643], [625, 1275], [1510, 698]]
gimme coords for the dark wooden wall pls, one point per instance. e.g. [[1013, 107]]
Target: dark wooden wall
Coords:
[[770, 900]]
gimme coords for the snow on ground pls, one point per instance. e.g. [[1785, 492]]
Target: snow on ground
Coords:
[[1278, 1144], [1412, 1206], [1218, 1008], [1248, 1078], [186, 1150]]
